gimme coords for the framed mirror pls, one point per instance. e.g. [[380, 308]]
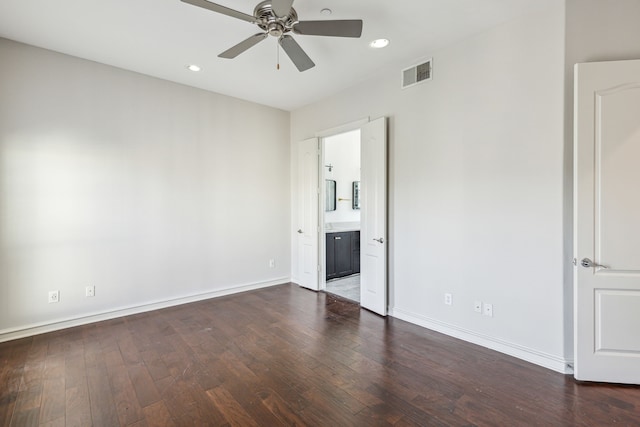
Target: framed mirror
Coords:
[[330, 195], [355, 203]]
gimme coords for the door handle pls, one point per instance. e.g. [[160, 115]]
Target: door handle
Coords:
[[587, 263], [380, 240], [300, 231], [337, 238]]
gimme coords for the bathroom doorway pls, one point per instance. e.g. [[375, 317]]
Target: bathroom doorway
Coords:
[[341, 219]]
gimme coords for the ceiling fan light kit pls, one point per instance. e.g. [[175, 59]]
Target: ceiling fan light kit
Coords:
[[278, 18]]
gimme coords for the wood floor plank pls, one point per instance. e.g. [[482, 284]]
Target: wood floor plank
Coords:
[[281, 409], [102, 406], [155, 365], [124, 397], [29, 400], [129, 352], [176, 396], [230, 408], [77, 405], [204, 411], [285, 356], [157, 414], [143, 384], [53, 404], [58, 422], [248, 397], [25, 418], [33, 373], [7, 406], [10, 381]]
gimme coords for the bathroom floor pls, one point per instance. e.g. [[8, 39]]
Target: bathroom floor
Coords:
[[346, 287]]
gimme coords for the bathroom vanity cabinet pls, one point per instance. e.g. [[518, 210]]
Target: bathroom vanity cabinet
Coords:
[[343, 254]]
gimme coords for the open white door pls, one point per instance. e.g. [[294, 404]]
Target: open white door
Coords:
[[607, 222], [307, 231], [373, 220]]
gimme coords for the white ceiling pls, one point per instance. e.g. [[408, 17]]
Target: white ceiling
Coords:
[[160, 37]]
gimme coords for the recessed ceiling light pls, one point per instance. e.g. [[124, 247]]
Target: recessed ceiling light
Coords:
[[193, 67], [379, 44], [326, 11]]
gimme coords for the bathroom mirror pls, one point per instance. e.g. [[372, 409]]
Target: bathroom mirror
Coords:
[[355, 204], [330, 196]]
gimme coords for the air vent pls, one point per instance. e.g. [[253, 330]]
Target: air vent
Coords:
[[417, 74]]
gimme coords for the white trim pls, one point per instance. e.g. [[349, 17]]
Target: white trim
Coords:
[[40, 328], [322, 239], [536, 357], [347, 127]]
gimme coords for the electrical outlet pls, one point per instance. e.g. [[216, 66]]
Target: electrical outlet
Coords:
[[54, 296], [272, 263], [488, 310], [448, 299], [477, 306], [90, 291]]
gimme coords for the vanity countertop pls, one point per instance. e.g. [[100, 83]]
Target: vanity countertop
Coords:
[[341, 227]]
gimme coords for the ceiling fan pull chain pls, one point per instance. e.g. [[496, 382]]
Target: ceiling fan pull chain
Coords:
[[278, 56]]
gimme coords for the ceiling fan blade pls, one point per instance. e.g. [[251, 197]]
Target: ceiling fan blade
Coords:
[[243, 46], [281, 7], [221, 9], [298, 56], [335, 28]]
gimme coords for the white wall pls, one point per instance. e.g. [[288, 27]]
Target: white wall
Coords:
[[343, 153], [476, 185], [149, 190]]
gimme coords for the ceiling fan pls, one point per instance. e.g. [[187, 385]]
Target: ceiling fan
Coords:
[[278, 18]]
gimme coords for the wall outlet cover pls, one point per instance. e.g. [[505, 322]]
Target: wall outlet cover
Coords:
[[448, 299], [488, 310], [54, 296]]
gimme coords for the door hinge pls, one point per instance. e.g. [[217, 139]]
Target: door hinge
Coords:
[[575, 262]]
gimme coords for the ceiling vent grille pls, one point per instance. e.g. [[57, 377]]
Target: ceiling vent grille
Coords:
[[417, 74]]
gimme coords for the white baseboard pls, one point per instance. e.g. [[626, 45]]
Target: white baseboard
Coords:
[[548, 361], [55, 325]]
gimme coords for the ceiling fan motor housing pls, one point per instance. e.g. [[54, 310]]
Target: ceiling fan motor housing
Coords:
[[269, 22]]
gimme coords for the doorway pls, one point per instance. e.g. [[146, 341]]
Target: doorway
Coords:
[[340, 258], [311, 264]]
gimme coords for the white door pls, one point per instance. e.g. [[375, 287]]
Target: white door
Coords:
[[373, 219], [607, 222], [307, 231]]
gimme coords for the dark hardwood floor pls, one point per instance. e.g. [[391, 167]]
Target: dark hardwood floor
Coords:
[[285, 356]]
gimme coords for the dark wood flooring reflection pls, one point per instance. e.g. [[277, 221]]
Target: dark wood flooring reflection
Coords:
[[285, 356]]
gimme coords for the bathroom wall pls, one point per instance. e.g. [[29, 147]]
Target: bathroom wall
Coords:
[[343, 153]]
